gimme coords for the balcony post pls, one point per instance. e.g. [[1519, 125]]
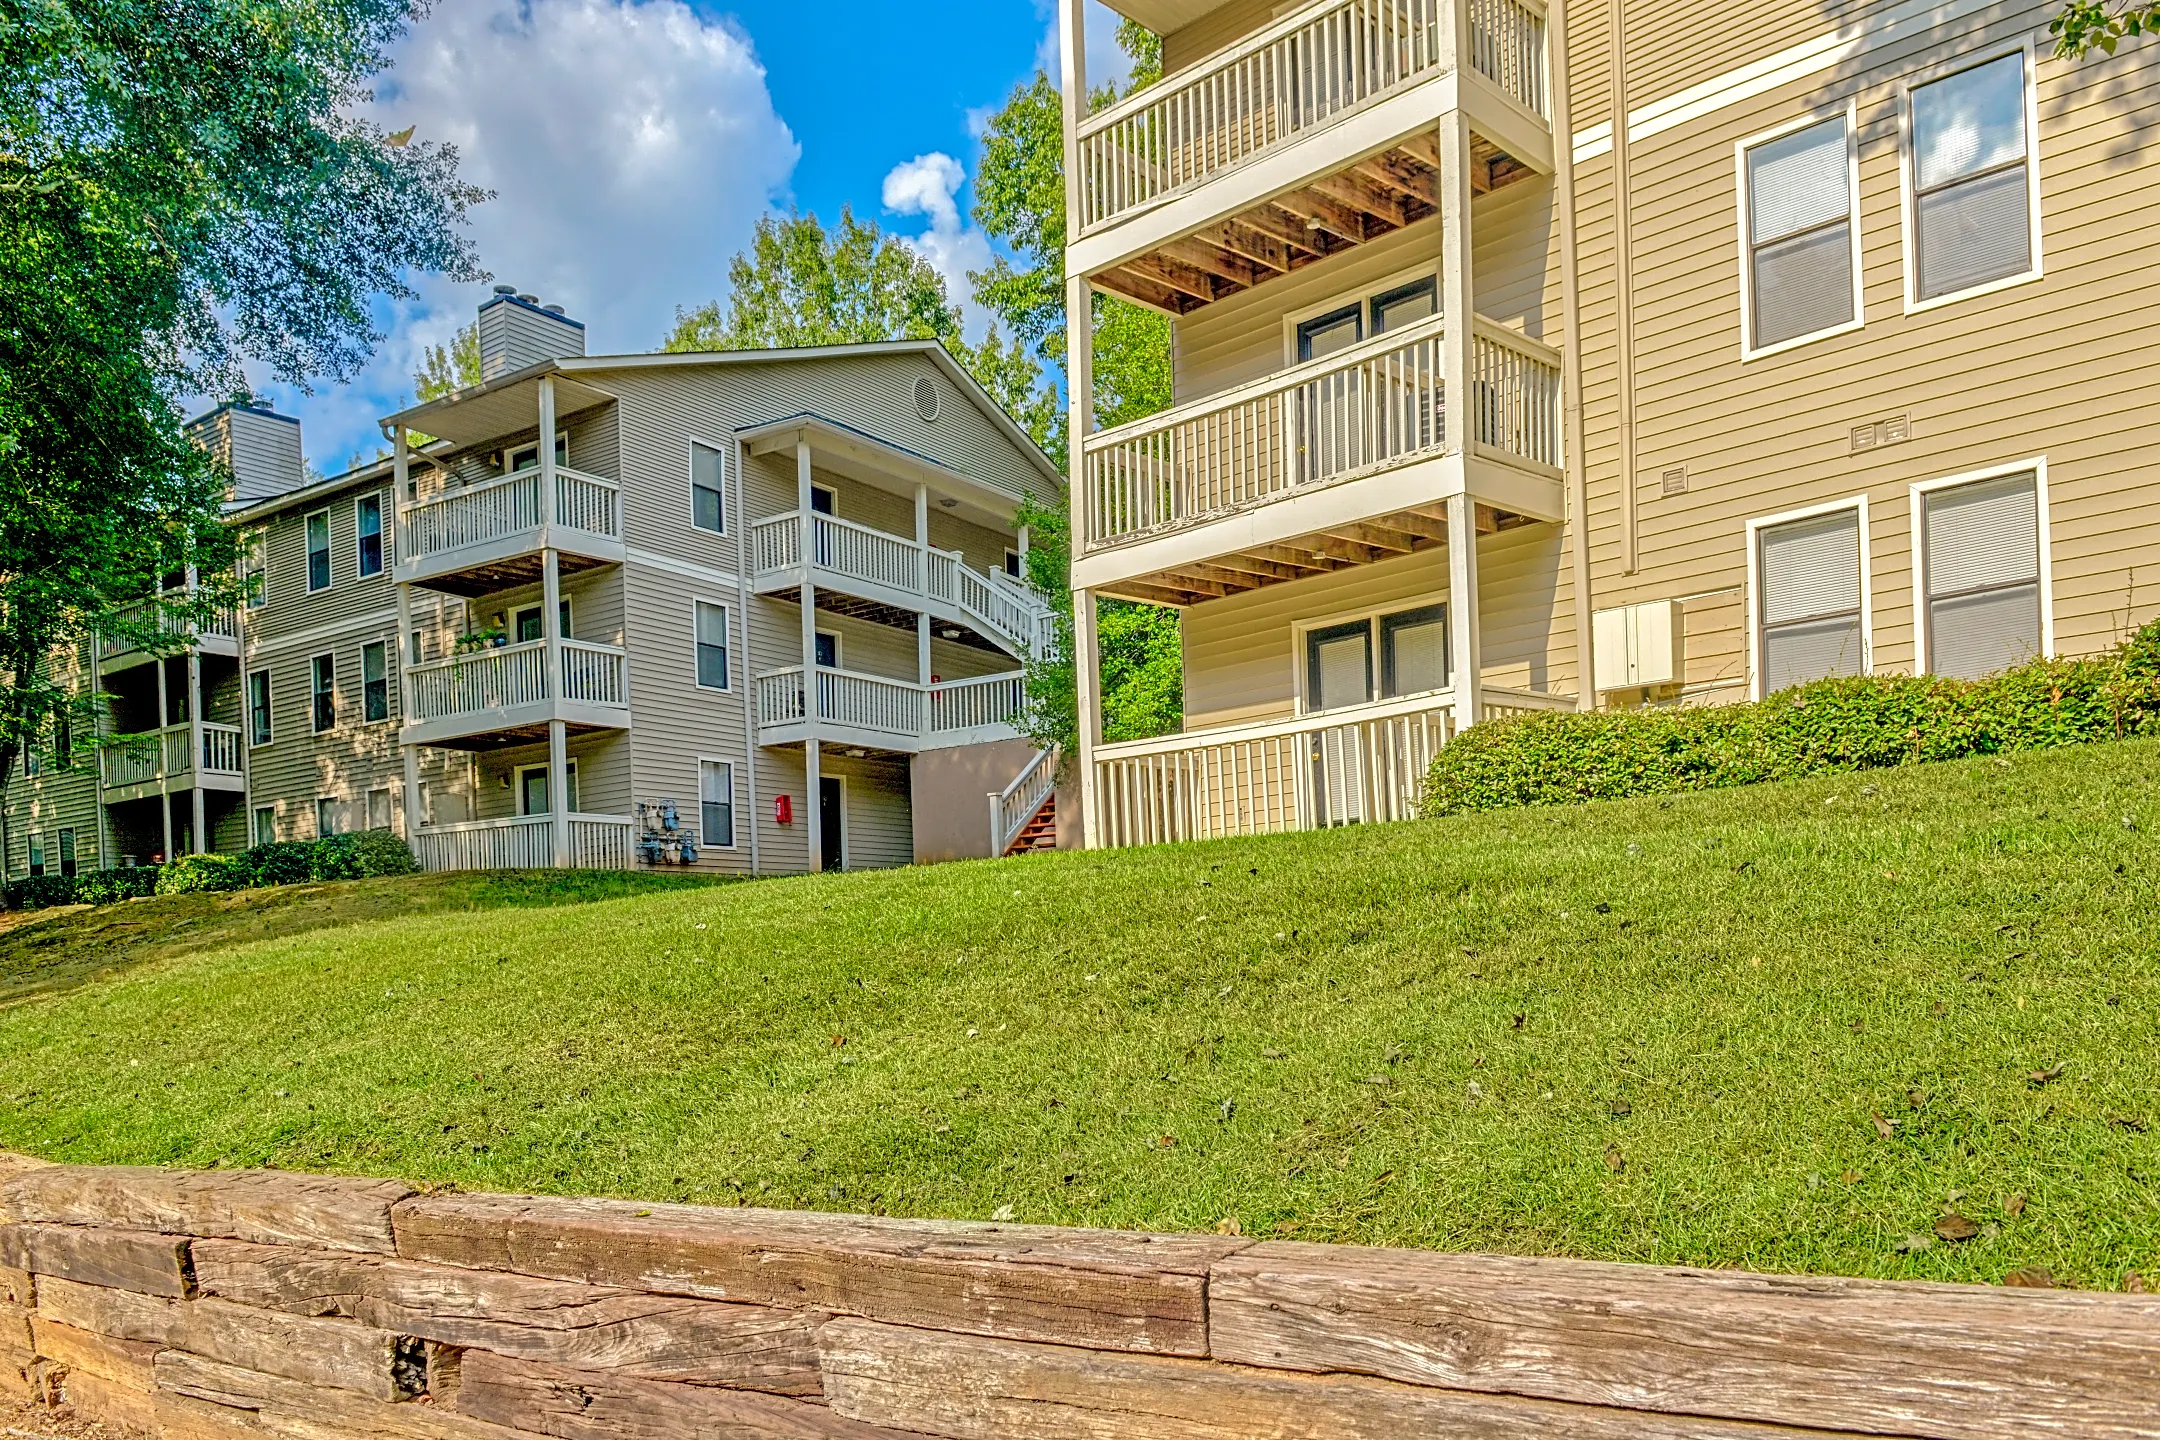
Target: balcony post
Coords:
[[559, 792], [922, 585], [198, 843], [1463, 653], [400, 483], [407, 654], [1457, 301], [1087, 673], [547, 452], [813, 820]]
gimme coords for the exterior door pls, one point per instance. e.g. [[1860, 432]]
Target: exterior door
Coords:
[[832, 821]]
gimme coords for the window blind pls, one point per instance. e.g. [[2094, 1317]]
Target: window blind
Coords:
[[1971, 198], [1799, 209], [1809, 608], [1982, 553]]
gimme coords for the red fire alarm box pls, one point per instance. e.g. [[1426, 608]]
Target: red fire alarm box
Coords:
[[783, 809]]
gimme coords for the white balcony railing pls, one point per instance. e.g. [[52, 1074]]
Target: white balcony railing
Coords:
[[163, 755], [1518, 395], [1338, 767], [1013, 807], [1301, 73], [914, 715], [509, 505], [1000, 607], [225, 624], [511, 676], [526, 842]]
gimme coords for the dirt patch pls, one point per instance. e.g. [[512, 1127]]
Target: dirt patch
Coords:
[[56, 1422]]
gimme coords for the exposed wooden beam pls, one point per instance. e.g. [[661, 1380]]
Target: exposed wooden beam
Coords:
[[1297, 557], [1364, 197], [1144, 290], [1175, 275], [1263, 570], [1423, 147], [1214, 260], [1411, 522], [1262, 250], [1289, 229], [1327, 213], [1338, 548], [1183, 578], [1375, 536], [1396, 173], [1148, 594]]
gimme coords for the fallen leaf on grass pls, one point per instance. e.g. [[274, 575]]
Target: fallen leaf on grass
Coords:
[[1614, 1160], [2015, 1205], [1850, 1177], [1884, 1129], [1916, 1098], [2133, 1283], [2128, 1122], [1956, 1228], [1269, 1052], [1003, 1212], [1913, 1244], [2030, 1277], [2042, 1077], [1621, 1109], [1228, 1225]]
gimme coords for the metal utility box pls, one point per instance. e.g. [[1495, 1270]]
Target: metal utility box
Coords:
[[1639, 646]]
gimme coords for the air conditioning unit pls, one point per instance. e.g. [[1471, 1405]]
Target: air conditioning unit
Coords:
[[1639, 647]]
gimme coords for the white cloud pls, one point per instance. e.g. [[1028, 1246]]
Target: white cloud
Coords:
[[631, 144], [929, 185]]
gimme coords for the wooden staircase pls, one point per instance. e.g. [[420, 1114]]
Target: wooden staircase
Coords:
[[1040, 832]]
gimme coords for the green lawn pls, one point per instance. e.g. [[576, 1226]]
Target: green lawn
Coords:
[[1659, 1030]]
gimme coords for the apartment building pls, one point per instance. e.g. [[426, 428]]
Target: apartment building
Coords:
[[1785, 343], [752, 613]]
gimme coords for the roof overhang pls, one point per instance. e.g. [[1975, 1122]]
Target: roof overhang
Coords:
[[841, 450], [1165, 16], [503, 406]]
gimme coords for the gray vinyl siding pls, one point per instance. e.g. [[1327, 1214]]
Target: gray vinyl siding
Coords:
[[879, 825], [604, 768]]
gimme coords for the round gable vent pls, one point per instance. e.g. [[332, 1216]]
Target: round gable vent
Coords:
[[926, 399]]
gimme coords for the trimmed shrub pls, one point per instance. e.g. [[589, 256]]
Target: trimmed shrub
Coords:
[[37, 892], [361, 855], [110, 887], [281, 862], [188, 874], [1829, 726]]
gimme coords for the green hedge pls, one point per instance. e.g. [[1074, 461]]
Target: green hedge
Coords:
[[337, 857], [1829, 726]]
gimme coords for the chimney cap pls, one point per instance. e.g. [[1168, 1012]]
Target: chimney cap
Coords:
[[530, 299], [554, 309], [506, 289]]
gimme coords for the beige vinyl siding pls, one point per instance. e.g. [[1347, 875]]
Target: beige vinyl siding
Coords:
[[1223, 26], [57, 799], [604, 777], [879, 825], [596, 606], [1986, 381]]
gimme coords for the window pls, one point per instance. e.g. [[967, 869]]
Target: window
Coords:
[[525, 624], [33, 761], [375, 680], [67, 852], [1811, 600], [378, 809], [1342, 326], [265, 828], [1981, 574], [318, 551], [254, 570], [325, 693], [823, 500], [1800, 261], [527, 457], [1015, 564], [258, 707], [706, 510], [1972, 210], [712, 646], [532, 788], [329, 819], [415, 649], [37, 853], [1411, 647], [827, 650], [367, 524], [716, 802], [1325, 335]]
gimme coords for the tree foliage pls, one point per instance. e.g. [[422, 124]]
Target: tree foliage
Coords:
[[186, 188], [445, 368], [2084, 26], [1020, 201]]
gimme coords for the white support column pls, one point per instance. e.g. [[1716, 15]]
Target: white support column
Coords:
[[1087, 670], [813, 816], [164, 718], [558, 734], [747, 685], [1456, 297], [559, 792], [198, 840], [547, 451], [1463, 652], [922, 556], [410, 754]]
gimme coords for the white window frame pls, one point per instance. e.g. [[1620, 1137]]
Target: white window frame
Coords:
[[389, 794], [839, 656], [382, 516], [34, 860], [255, 562], [1909, 239], [1371, 615], [307, 553], [690, 482], [1361, 296], [256, 835], [1921, 490], [832, 490], [517, 785], [313, 691], [727, 629], [390, 710], [247, 701], [509, 452], [320, 802], [734, 792], [1851, 111], [1754, 583], [567, 618]]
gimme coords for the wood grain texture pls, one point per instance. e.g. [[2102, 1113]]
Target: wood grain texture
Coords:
[[585, 1327], [14, 1328], [16, 1287], [270, 1207], [1955, 1362], [109, 1402], [973, 1388], [590, 1405], [339, 1353], [124, 1259], [126, 1362], [1100, 1289], [274, 1405]]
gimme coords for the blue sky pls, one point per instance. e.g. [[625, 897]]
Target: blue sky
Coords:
[[632, 144]]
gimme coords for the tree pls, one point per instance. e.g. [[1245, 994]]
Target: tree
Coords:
[[444, 368], [2088, 25], [800, 284], [184, 190], [1020, 200]]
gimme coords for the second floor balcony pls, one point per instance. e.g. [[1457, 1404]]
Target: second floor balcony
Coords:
[[221, 636], [476, 539], [1310, 468], [876, 712], [209, 756], [506, 695]]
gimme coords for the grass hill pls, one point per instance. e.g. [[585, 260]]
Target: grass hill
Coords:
[[1789, 1027]]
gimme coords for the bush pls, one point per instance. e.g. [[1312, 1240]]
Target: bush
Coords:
[[360, 855], [36, 892], [188, 874], [281, 862], [110, 887], [1831, 725]]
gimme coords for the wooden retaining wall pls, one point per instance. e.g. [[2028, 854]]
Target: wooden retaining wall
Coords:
[[261, 1305]]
